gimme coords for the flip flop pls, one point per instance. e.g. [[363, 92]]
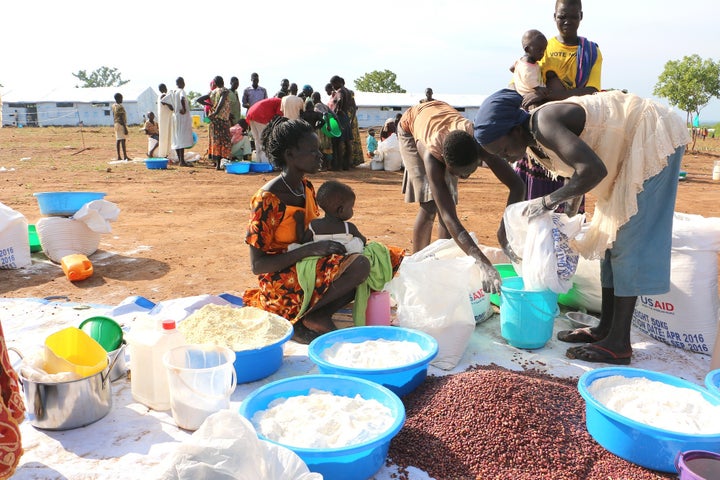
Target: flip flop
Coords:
[[578, 335], [597, 354]]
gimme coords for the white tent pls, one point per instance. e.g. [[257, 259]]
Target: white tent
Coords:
[[375, 108], [71, 106]]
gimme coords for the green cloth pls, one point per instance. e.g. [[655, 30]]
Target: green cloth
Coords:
[[380, 274], [306, 278]]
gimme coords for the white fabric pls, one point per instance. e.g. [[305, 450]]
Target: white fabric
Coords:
[[165, 125], [291, 106], [257, 128], [526, 77], [389, 152], [633, 137], [182, 122]]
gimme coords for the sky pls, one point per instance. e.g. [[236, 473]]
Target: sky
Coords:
[[453, 46]]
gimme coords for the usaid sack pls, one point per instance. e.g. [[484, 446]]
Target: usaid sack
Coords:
[[687, 316], [14, 241]]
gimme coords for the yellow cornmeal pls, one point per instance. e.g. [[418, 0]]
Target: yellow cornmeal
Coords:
[[244, 328]]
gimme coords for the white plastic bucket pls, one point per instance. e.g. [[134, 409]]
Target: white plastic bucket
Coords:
[[201, 379]]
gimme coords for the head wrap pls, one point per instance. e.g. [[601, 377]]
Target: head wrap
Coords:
[[307, 88], [498, 114]]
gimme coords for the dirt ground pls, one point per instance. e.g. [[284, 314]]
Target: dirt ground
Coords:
[[181, 231]]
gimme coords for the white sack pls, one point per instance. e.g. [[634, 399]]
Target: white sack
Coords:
[[14, 240], [60, 236], [586, 292], [687, 316], [226, 447], [433, 290], [390, 150]]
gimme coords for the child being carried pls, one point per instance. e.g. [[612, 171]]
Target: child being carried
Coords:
[[337, 201]]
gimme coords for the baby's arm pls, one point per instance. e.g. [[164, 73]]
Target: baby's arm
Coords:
[[356, 233]]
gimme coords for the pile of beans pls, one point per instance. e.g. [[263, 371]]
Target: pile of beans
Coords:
[[493, 423]]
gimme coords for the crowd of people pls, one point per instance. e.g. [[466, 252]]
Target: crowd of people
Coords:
[[550, 137]]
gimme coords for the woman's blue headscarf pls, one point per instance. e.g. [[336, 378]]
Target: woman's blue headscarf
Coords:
[[498, 114]]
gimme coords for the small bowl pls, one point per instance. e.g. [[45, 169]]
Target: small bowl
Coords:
[[645, 445], [260, 167], [256, 364], [104, 330], [582, 320], [400, 380], [354, 462], [64, 204], [237, 167], [156, 163]]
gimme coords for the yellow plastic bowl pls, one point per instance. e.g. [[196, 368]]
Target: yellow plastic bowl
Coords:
[[72, 350]]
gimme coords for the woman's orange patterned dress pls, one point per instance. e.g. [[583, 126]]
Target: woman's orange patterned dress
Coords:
[[271, 229]]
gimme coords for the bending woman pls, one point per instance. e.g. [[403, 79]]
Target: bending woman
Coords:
[[626, 151], [280, 213]]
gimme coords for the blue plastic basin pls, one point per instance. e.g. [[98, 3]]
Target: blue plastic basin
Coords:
[[237, 167], [260, 167], [401, 380], [355, 462], [156, 163], [252, 365], [64, 203], [712, 382], [647, 446]]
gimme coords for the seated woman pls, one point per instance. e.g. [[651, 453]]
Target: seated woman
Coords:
[[277, 210]]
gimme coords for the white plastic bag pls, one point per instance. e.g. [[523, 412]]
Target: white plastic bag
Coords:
[[14, 241], [543, 242], [226, 447], [432, 291], [97, 215]]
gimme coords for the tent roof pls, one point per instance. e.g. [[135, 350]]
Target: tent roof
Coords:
[[129, 92], [371, 99]]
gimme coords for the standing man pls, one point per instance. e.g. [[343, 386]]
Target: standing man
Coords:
[[284, 88], [258, 116], [254, 93], [291, 104], [234, 98], [165, 124], [428, 95], [182, 121], [120, 124]]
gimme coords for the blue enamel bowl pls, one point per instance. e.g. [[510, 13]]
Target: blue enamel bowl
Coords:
[[645, 445]]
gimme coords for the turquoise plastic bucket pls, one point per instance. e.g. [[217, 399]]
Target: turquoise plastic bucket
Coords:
[[526, 317]]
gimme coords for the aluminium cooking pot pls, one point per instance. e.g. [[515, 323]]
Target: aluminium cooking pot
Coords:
[[68, 405]]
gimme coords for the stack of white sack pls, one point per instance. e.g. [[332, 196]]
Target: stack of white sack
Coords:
[[61, 236]]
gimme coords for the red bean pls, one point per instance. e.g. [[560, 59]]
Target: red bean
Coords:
[[493, 423]]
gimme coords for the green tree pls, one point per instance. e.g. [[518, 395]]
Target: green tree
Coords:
[[101, 77], [689, 84], [379, 82]]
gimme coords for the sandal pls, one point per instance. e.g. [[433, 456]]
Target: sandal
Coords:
[[302, 334], [597, 354], [578, 335]]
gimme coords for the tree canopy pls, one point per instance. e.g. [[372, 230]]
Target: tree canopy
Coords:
[[379, 82], [100, 77], [689, 84]]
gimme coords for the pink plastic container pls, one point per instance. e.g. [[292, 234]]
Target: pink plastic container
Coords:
[[378, 309], [698, 465]]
